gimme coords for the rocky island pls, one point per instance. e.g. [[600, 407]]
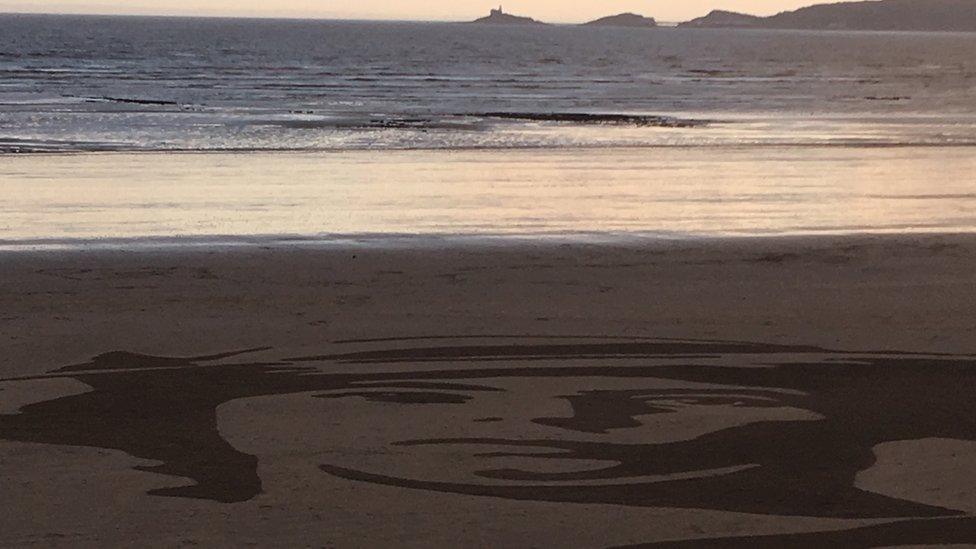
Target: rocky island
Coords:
[[632, 20], [725, 20], [499, 17], [877, 15]]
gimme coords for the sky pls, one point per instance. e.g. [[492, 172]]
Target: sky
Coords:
[[555, 11]]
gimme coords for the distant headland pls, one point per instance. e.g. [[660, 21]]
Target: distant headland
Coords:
[[870, 15], [499, 17], [874, 15]]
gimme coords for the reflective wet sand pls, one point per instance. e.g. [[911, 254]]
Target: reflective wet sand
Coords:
[[656, 192]]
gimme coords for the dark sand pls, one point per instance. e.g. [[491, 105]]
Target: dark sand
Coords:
[[783, 392]]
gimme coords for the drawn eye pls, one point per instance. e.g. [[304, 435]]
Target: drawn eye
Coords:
[[413, 392]]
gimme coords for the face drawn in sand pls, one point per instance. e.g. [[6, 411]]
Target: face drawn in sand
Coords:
[[829, 410], [805, 467]]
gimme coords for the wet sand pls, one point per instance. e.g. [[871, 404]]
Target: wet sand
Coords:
[[669, 191], [786, 391]]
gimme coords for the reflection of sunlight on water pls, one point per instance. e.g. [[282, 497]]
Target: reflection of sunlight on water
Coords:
[[214, 131], [669, 191]]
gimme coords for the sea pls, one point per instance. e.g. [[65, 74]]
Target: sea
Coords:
[[129, 127]]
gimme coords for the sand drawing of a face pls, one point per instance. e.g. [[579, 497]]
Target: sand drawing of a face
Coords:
[[733, 426]]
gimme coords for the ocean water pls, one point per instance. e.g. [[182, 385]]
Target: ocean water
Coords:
[[71, 83], [332, 130]]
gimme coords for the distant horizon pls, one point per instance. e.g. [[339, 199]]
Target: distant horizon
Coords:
[[296, 17], [543, 10]]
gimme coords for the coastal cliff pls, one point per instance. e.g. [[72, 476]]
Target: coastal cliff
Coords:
[[905, 15]]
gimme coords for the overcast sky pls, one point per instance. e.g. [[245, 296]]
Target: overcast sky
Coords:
[[561, 11]]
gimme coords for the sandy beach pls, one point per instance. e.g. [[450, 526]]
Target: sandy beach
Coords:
[[491, 392], [395, 274]]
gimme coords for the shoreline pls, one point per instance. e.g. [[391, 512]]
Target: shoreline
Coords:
[[447, 241], [9, 153]]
